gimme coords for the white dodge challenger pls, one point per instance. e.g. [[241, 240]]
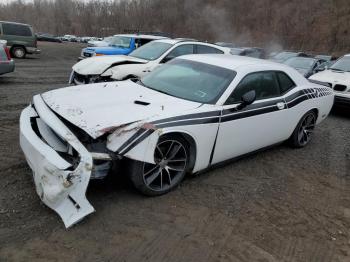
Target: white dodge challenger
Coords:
[[186, 116]]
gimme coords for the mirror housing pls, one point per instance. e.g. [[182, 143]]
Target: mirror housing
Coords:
[[247, 99]]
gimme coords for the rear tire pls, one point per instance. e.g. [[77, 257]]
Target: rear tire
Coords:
[[303, 132], [172, 162], [18, 52]]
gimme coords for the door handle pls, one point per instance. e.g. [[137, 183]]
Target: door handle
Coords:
[[281, 105]]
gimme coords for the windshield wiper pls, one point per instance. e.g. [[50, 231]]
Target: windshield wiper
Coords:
[[141, 83]]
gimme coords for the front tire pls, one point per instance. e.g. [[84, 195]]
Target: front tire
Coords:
[[303, 132], [171, 159], [18, 52]]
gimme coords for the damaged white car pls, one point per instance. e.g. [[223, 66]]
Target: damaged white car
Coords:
[[186, 116], [139, 62], [338, 77]]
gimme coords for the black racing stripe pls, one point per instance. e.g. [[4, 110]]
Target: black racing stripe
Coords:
[[293, 96], [214, 146], [137, 141], [190, 116], [249, 113], [297, 101], [191, 122], [214, 117], [132, 138]]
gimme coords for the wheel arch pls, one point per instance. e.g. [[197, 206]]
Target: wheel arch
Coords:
[[316, 111], [191, 144], [18, 45]]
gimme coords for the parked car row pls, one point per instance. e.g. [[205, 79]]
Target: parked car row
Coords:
[[139, 62], [119, 45]]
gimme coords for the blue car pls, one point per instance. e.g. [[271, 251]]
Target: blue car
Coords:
[[119, 45]]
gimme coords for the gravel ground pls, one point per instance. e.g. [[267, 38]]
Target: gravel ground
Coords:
[[279, 205]]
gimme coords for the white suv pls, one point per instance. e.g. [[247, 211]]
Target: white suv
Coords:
[[140, 62]]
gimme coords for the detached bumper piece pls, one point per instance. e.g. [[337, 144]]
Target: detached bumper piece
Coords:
[[61, 165]]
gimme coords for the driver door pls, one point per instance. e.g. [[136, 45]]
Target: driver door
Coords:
[[255, 126]]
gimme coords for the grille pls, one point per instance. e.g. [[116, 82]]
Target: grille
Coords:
[[81, 78], [340, 88]]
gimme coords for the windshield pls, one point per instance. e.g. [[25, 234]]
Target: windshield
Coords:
[[300, 62], [120, 41], [343, 64], [284, 56], [151, 51], [190, 80]]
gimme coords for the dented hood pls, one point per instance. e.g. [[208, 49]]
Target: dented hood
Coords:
[[97, 107], [97, 65]]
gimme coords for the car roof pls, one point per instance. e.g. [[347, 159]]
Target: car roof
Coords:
[[142, 36], [175, 41], [231, 62], [9, 22]]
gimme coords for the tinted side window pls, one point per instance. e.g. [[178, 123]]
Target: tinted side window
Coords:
[[285, 82], [181, 50], [203, 49], [14, 29], [264, 83]]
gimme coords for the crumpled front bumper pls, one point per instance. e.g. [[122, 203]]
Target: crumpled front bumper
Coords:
[[59, 184]]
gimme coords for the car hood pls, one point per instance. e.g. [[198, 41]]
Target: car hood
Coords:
[[97, 108], [333, 77], [97, 65]]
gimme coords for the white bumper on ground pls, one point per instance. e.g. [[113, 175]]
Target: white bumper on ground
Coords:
[[60, 186]]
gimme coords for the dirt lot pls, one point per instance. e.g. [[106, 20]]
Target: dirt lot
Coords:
[[279, 205]]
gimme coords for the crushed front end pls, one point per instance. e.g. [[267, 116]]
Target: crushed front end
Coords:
[[61, 165]]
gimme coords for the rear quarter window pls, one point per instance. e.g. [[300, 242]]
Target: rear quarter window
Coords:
[[203, 49], [18, 30], [285, 82]]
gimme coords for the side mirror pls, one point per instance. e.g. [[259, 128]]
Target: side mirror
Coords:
[[247, 99]]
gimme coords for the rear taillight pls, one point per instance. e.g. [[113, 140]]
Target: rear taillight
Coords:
[[8, 53]]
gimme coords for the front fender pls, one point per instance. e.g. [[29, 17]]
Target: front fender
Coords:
[[119, 72]]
